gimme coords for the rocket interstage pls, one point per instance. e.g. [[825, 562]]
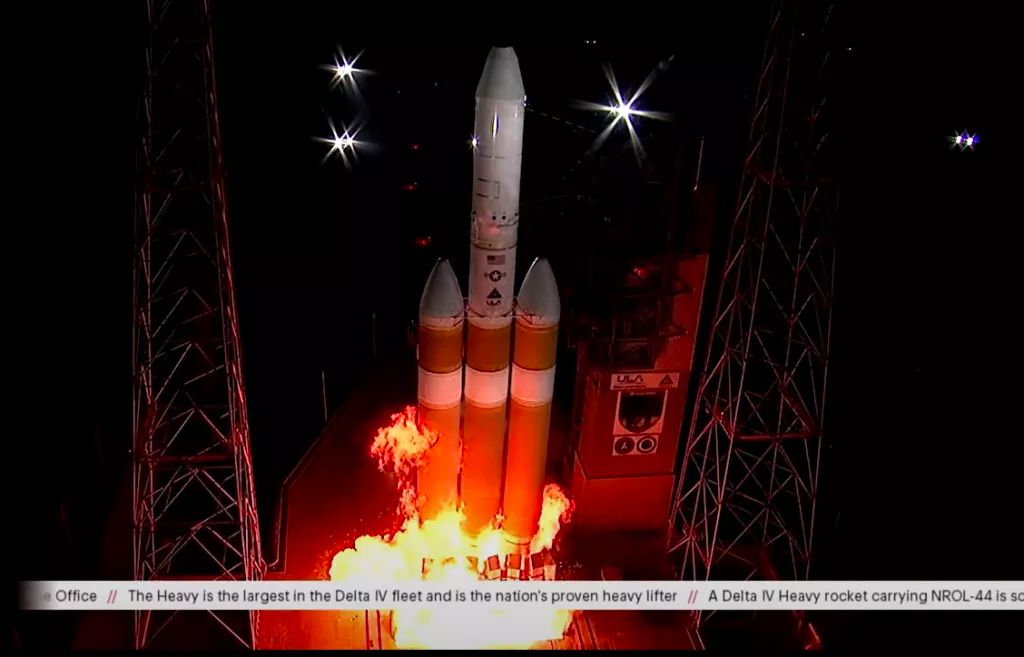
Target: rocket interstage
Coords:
[[439, 355], [497, 166], [533, 381]]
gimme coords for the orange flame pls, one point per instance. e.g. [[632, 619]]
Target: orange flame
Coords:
[[555, 510], [403, 444], [400, 448]]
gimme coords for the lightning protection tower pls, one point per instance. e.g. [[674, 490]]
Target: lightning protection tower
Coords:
[[746, 496], [194, 506]]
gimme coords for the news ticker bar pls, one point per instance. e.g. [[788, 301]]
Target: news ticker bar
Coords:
[[577, 595]]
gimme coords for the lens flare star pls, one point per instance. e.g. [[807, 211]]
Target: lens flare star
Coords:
[[963, 141], [625, 111], [344, 72], [343, 144]]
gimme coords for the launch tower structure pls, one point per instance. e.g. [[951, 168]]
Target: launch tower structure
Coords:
[[749, 481], [193, 499]]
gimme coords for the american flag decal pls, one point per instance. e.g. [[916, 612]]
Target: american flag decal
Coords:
[[496, 259]]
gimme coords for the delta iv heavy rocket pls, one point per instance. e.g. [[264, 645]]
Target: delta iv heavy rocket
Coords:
[[488, 414]]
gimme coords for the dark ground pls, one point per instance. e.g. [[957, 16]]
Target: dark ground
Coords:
[[923, 473]]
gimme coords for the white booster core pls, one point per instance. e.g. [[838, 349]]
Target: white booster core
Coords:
[[497, 166]]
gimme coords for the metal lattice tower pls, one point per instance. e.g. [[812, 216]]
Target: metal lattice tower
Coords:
[[194, 504], [748, 486]]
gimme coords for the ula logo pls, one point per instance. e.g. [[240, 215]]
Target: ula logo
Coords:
[[629, 379]]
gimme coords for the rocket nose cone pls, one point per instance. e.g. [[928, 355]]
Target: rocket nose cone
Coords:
[[501, 78], [538, 295], [442, 296]]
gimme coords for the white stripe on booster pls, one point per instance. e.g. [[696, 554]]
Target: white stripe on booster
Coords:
[[533, 387], [440, 390], [486, 388]]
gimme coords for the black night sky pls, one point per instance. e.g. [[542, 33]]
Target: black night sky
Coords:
[[923, 422]]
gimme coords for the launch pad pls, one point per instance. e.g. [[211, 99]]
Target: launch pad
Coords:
[[536, 566], [336, 494]]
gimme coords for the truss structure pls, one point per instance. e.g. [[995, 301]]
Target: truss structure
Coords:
[[194, 504], [748, 486]]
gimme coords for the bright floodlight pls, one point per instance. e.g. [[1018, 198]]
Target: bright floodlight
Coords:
[[344, 144], [473, 142], [964, 140], [622, 111], [343, 71]]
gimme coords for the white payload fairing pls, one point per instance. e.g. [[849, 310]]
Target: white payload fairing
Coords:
[[489, 315]]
